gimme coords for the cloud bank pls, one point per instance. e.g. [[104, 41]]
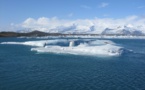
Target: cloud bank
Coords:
[[103, 5], [96, 25], [85, 7]]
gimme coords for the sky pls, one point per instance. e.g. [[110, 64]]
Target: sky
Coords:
[[40, 14]]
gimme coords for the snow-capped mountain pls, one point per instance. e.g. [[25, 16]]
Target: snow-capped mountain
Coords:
[[124, 30], [25, 30], [91, 29]]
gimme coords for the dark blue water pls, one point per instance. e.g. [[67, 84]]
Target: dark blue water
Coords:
[[22, 69]]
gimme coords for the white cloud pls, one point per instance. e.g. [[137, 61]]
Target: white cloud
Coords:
[[55, 24], [103, 5], [85, 7], [70, 15]]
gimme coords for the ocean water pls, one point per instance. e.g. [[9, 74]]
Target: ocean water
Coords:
[[23, 69]]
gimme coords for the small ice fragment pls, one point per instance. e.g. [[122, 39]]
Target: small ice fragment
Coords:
[[71, 44]]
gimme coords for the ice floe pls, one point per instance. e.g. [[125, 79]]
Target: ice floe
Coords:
[[74, 46], [82, 50], [39, 43]]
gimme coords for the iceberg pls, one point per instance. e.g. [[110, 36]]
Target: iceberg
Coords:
[[107, 50], [39, 43], [99, 47], [74, 46]]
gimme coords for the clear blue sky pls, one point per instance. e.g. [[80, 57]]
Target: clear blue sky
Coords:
[[16, 11]]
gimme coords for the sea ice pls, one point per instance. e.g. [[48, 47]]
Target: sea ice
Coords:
[[39, 43], [98, 47], [83, 46]]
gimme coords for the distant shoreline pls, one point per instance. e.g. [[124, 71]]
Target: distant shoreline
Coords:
[[44, 34]]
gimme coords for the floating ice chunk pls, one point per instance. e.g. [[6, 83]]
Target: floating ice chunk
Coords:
[[71, 44], [107, 50], [83, 47], [101, 42], [30, 43], [11, 42], [39, 43]]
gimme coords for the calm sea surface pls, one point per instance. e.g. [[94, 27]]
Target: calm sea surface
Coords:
[[23, 69]]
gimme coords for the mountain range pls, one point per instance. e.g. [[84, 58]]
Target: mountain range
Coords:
[[120, 30], [125, 30]]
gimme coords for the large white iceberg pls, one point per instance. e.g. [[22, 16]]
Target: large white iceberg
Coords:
[[107, 50], [77, 46], [97, 47]]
